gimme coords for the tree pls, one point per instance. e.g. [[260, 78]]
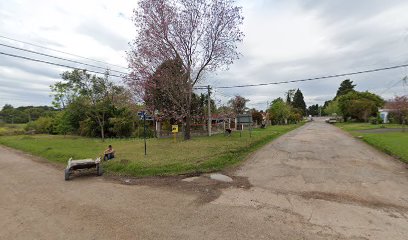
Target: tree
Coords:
[[7, 107], [163, 90], [199, 105], [201, 34], [332, 108], [42, 125], [399, 107], [94, 94], [359, 105], [299, 102], [225, 112], [257, 116], [238, 104], [25, 114], [279, 111], [313, 110], [289, 95], [345, 87], [62, 123]]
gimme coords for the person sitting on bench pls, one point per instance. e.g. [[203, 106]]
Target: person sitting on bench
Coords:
[[109, 153]]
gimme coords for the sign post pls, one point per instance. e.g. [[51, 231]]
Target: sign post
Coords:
[[174, 130], [144, 132], [142, 115], [245, 119]]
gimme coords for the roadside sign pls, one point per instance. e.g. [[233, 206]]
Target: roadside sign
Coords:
[[174, 128], [144, 116], [244, 119]]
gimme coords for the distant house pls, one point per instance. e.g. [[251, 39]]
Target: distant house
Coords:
[[389, 107], [384, 114]]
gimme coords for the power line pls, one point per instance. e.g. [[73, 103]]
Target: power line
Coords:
[[317, 78], [55, 64], [223, 94], [392, 86], [60, 58], [71, 54]]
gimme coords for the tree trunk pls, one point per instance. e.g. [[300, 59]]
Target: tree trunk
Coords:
[[187, 131], [102, 133], [102, 125]]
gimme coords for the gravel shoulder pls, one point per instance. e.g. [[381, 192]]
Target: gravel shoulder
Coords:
[[315, 182]]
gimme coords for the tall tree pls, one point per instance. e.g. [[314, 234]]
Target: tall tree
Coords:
[[95, 94], [289, 95], [399, 107], [332, 108], [313, 110], [279, 111], [162, 91], [299, 102], [202, 33], [257, 116], [359, 105], [238, 104], [345, 87]]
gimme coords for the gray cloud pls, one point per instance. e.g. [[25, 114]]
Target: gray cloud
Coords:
[[334, 37], [348, 10], [358, 42], [102, 34]]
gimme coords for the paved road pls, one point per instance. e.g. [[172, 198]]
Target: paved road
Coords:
[[316, 182]]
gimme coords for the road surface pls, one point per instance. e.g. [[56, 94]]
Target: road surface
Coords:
[[315, 182]]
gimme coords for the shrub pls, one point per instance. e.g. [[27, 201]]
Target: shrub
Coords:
[[41, 125], [62, 123], [376, 120], [121, 126]]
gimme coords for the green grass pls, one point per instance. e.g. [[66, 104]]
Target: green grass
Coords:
[[11, 129], [165, 157], [393, 143], [365, 126]]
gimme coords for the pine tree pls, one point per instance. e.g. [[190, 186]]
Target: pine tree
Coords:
[[299, 102], [345, 87]]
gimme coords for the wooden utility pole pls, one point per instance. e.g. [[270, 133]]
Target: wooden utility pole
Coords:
[[209, 110]]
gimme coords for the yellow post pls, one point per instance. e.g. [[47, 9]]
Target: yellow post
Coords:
[[174, 130]]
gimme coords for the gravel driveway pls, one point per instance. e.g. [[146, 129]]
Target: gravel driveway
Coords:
[[316, 182]]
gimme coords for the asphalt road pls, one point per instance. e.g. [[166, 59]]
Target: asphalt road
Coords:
[[316, 182]]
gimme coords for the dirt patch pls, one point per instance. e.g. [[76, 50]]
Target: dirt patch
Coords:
[[207, 189]]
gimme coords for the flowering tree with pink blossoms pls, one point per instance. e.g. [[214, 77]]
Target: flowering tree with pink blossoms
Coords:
[[200, 35]]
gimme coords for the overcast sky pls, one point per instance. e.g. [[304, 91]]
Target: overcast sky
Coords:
[[285, 40]]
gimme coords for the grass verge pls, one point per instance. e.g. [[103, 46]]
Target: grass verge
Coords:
[[11, 129], [164, 156], [393, 143]]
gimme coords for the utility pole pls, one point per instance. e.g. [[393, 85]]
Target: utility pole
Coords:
[[209, 110]]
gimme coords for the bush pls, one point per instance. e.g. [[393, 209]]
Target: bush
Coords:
[[41, 125], [121, 126], [62, 123], [149, 132], [375, 120], [89, 128]]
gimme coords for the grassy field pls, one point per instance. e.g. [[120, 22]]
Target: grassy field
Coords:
[[393, 143], [11, 129], [164, 157]]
